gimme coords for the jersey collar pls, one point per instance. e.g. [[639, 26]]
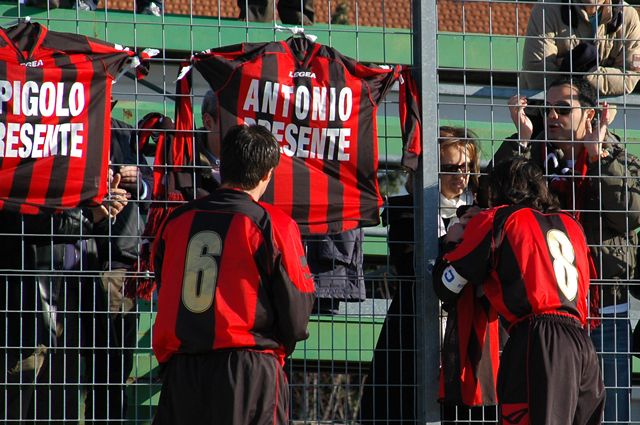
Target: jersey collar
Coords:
[[34, 31]]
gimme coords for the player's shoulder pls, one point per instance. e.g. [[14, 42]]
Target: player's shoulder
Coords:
[[198, 204], [278, 216]]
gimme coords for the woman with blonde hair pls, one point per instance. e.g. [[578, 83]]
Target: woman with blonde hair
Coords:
[[389, 395], [459, 172]]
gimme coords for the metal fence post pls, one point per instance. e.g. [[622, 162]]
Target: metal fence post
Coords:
[[425, 25]]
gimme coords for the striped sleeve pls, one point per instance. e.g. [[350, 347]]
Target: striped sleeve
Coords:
[[292, 282], [469, 261]]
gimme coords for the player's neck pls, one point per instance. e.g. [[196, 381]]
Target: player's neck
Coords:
[[255, 193]]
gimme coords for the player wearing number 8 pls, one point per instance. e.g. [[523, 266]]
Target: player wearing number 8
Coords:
[[235, 295], [532, 263]]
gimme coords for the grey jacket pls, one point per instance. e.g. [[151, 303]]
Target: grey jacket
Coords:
[[554, 29]]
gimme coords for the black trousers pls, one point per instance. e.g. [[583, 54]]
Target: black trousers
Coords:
[[389, 395], [88, 361], [232, 387], [549, 374]]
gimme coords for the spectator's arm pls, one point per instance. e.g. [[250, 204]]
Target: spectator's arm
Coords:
[[540, 49], [63, 225], [622, 76], [618, 189]]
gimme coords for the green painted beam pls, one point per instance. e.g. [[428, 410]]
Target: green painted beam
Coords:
[[340, 338], [183, 33], [375, 245], [479, 51]]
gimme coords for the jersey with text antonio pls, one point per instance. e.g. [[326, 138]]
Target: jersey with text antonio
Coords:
[[231, 274], [527, 262], [321, 107], [55, 93]]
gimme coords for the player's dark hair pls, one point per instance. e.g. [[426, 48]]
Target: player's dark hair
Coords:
[[247, 154], [587, 95], [519, 181]]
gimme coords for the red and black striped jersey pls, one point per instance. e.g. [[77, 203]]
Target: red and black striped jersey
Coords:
[[527, 263], [231, 274], [55, 94], [321, 107]]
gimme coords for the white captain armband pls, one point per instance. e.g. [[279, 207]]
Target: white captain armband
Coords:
[[452, 280]]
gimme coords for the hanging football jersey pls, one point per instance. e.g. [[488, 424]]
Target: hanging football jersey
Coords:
[[55, 93], [321, 107]]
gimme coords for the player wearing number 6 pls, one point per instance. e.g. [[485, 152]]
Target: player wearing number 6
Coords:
[[532, 263], [235, 295]]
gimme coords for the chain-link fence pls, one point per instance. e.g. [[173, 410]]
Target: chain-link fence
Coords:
[[78, 303]]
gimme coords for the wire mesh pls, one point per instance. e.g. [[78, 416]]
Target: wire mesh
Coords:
[[364, 361], [489, 51], [83, 341]]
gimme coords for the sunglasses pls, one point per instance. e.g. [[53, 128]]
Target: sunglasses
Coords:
[[560, 108], [455, 168]]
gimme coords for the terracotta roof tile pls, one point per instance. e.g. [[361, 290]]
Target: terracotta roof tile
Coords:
[[483, 17]]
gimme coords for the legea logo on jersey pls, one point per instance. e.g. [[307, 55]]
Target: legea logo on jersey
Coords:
[[302, 74], [33, 64]]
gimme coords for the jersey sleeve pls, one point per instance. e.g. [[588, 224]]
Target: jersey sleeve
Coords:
[[410, 124], [378, 79], [468, 262], [292, 282], [218, 65], [113, 56]]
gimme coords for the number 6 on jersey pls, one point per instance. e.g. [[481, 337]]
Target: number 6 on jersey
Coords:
[[201, 271]]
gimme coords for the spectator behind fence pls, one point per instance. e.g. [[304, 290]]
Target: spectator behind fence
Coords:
[[208, 144], [532, 263], [117, 255], [554, 29], [294, 12], [86, 5], [145, 7], [149, 7], [596, 179], [390, 391], [50, 315], [235, 295]]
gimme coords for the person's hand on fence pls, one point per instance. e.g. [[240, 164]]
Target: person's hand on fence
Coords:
[[113, 203], [517, 105], [130, 178], [595, 134]]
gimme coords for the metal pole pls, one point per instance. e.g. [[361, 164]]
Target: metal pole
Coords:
[[425, 25]]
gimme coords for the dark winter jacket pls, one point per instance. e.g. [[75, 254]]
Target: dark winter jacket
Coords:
[[34, 253], [610, 211]]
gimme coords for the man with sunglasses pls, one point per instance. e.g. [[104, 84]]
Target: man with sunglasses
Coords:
[[597, 180]]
